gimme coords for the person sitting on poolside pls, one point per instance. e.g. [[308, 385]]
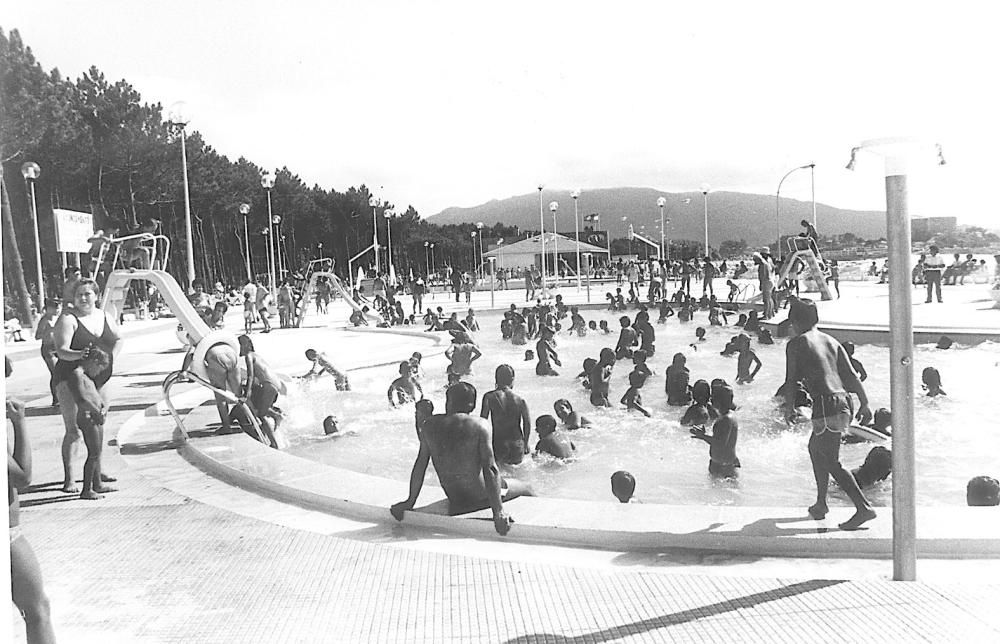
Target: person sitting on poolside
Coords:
[[701, 411], [546, 352], [982, 491], [745, 358], [604, 327], [931, 379], [876, 467], [550, 440], [633, 398], [722, 461], [321, 364], [623, 487], [627, 339], [570, 418], [508, 413], [405, 388], [600, 379], [461, 354], [459, 446], [330, 426], [855, 363], [676, 386]]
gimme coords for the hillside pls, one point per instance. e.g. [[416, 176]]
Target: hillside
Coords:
[[731, 215]]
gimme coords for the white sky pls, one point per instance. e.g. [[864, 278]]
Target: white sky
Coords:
[[455, 103]]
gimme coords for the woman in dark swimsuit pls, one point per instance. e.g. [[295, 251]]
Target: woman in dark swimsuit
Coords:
[[78, 329]]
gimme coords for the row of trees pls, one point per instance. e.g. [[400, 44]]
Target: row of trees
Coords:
[[104, 150]]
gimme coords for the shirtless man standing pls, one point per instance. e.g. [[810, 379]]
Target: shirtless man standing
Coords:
[[459, 446], [461, 354], [824, 367], [510, 417]]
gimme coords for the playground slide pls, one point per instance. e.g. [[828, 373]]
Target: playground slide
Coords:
[[812, 266], [337, 284], [117, 287]]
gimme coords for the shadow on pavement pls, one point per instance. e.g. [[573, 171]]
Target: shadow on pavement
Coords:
[[138, 449], [682, 617]]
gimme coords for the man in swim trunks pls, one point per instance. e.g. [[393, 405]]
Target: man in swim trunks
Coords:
[[509, 414], [824, 367], [461, 354], [458, 444]]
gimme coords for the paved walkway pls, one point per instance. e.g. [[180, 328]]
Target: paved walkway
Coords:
[[152, 564]]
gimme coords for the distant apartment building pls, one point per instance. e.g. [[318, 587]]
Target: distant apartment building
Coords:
[[924, 228]]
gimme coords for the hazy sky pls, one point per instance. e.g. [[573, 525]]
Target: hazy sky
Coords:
[[456, 103]]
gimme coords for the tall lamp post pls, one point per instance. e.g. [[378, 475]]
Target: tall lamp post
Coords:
[[661, 202], [474, 251], [898, 153], [373, 203], [553, 207], [777, 204], [31, 171], [493, 280], [245, 211], [267, 183], [705, 189], [433, 263], [576, 218], [482, 269], [389, 214], [177, 121], [276, 247], [427, 257], [541, 230]]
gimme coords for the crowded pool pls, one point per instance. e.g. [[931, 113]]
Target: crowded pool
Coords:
[[669, 465]]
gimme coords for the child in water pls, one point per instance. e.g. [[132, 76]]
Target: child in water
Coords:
[[723, 461], [666, 311], [745, 358], [546, 352], [570, 418], [330, 427], [588, 366], [592, 325], [623, 487], [639, 360], [321, 364], [855, 363], [701, 411], [600, 378], [626, 339], [700, 333], [633, 398], [877, 467], [550, 440], [881, 422], [405, 388], [931, 378], [604, 327], [676, 386], [415, 369], [578, 324]]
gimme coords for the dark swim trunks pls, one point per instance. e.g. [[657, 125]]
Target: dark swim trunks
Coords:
[[832, 412]]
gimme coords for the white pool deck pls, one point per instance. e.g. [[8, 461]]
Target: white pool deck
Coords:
[[221, 539]]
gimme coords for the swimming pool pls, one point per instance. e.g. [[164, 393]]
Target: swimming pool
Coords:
[[953, 441]]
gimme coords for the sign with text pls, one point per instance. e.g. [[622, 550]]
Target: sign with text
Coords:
[[73, 229]]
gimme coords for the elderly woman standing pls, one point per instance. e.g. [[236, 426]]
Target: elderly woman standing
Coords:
[[78, 330]]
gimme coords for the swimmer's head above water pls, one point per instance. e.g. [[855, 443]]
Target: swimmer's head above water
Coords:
[[460, 398], [504, 375], [545, 425], [982, 491], [563, 407], [622, 485], [330, 426]]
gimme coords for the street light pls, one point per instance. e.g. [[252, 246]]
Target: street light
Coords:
[[267, 182], [493, 280], [433, 263], [576, 217], [427, 257], [541, 229], [276, 249], [777, 203], [31, 171], [473, 234], [553, 207], [245, 211], [479, 227], [661, 202], [389, 214], [373, 202], [705, 189], [177, 121]]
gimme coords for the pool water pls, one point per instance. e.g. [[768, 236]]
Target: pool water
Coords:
[[956, 437]]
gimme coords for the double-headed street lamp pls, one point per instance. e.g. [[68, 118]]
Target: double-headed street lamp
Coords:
[[31, 171], [245, 211], [177, 121], [576, 218], [777, 204], [267, 183], [553, 208]]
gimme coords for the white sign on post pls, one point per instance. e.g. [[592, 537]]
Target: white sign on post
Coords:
[[73, 229]]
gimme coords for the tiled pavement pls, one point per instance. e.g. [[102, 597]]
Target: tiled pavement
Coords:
[[150, 565]]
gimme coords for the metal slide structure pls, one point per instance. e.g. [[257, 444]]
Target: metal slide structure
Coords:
[[310, 286], [634, 235], [801, 249]]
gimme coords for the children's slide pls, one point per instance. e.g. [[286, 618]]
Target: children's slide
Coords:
[[339, 286]]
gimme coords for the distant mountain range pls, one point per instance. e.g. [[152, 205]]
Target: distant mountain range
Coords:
[[731, 215]]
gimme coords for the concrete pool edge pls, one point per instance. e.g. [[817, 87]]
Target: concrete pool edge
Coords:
[[943, 532]]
